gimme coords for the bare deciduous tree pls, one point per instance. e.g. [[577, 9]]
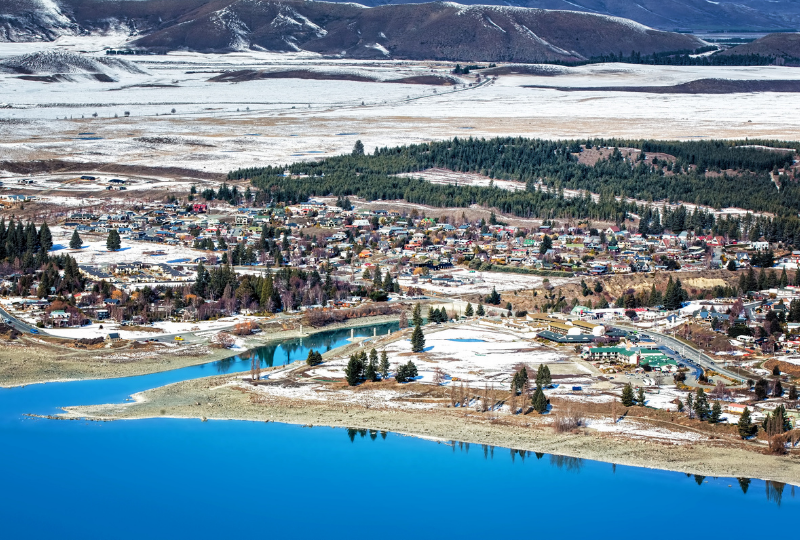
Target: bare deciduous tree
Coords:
[[438, 376]]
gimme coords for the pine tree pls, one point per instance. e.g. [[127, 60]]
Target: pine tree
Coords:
[[745, 424], [411, 370], [481, 312], [358, 148], [384, 366], [716, 413], [46, 239], [494, 297], [539, 401], [701, 404], [371, 372], [751, 283], [314, 358], [417, 339], [353, 371], [627, 396], [760, 389], [784, 281], [793, 393], [468, 312], [75, 242], [540, 375], [416, 317], [113, 242], [548, 380], [388, 283], [690, 404], [641, 399]]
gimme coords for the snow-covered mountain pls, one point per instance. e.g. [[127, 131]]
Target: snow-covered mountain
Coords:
[[59, 65], [444, 31]]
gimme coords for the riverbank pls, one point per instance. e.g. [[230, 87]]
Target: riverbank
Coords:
[[226, 398], [29, 360]]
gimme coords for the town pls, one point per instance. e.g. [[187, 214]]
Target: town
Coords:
[[666, 314]]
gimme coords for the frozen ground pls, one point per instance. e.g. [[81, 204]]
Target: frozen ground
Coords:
[[220, 126], [482, 282], [490, 357], [94, 250], [637, 430]]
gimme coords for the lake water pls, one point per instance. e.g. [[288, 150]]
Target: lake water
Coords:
[[166, 478]]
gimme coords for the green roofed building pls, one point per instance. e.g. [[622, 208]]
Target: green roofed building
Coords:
[[661, 362], [626, 355]]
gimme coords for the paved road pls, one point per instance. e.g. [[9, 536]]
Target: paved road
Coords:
[[22, 326], [691, 353]]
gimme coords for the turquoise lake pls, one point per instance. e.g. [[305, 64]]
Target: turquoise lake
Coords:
[[166, 478]]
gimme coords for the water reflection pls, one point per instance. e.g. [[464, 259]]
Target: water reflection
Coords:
[[373, 433], [744, 483], [775, 491], [292, 350], [567, 463]]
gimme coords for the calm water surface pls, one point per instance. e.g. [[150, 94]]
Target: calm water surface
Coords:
[[165, 478]]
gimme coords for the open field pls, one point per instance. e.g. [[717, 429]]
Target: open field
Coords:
[[219, 126]]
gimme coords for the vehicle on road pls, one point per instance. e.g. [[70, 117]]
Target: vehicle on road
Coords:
[[178, 338], [34, 331]]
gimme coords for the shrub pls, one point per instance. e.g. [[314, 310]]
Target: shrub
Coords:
[[223, 339], [568, 421]]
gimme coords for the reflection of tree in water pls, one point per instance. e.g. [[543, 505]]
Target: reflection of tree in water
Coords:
[[373, 433], [291, 347], [744, 483], [521, 453], [225, 365], [571, 464], [775, 491], [699, 479], [265, 355]]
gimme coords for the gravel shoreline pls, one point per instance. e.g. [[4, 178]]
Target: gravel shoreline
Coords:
[[222, 398]]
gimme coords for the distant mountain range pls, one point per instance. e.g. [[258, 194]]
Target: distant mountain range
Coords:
[[37, 20], [703, 15], [442, 31]]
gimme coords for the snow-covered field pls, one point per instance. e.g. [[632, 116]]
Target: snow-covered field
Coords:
[[472, 353], [220, 126], [481, 282], [637, 430], [94, 250]]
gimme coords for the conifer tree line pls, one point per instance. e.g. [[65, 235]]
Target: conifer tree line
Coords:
[[553, 162], [683, 58], [362, 367], [24, 251], [436, 315]]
